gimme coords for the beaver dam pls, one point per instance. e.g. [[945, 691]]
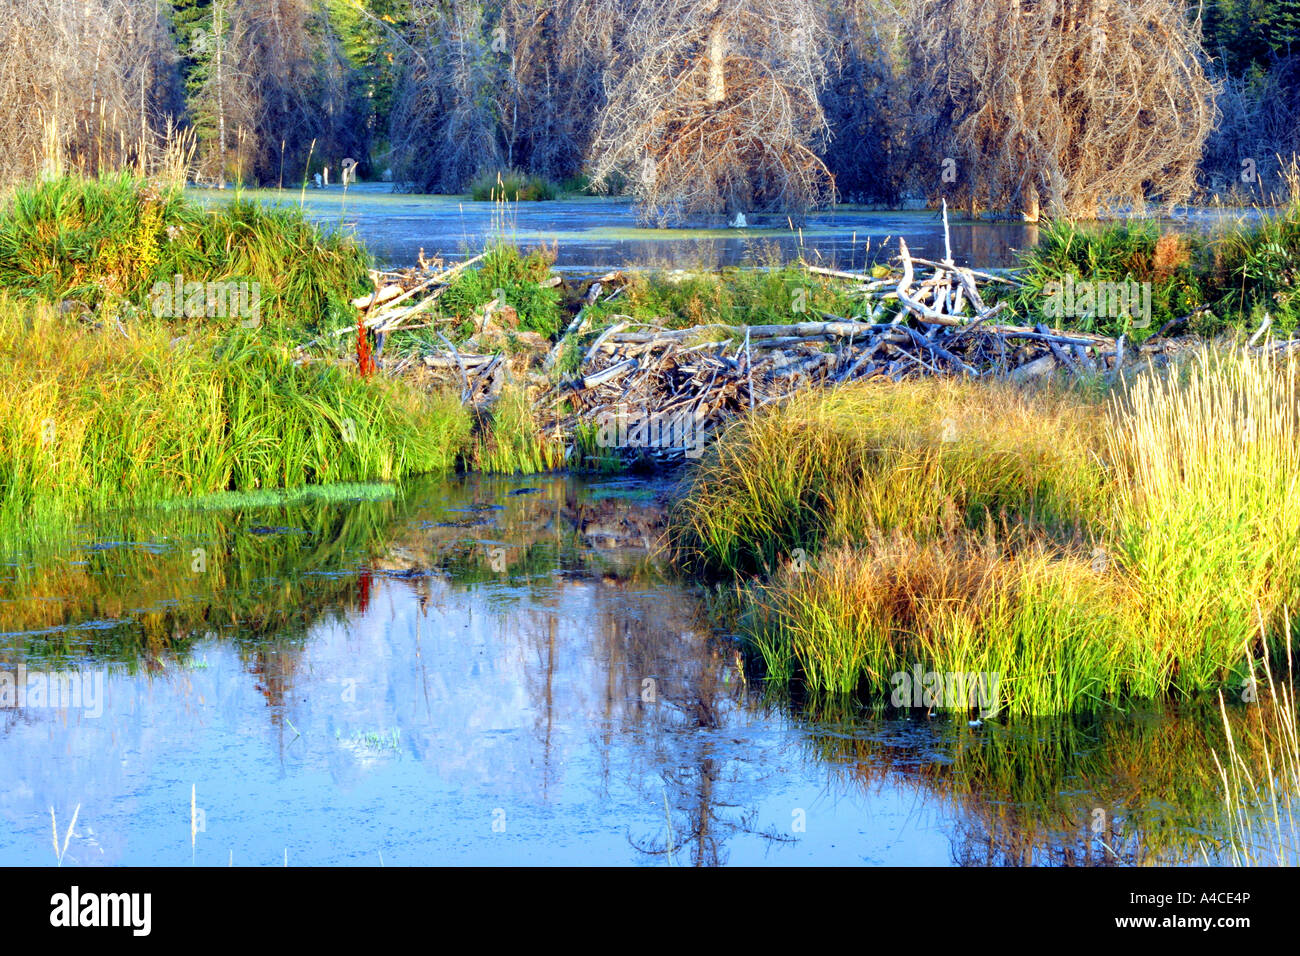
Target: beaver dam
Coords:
[[641, 388]]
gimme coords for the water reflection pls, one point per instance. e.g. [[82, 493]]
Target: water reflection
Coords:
[[499, 672]]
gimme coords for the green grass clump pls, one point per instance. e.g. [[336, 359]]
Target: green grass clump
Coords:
[[511, 186], [762, 296], [1087, 554], [112, 244], [1207, 523], [923, 457], [1175, 264], [1258, 267], [512, 276], [98, 419], [1220, 283], [1043, 623], [509, 440]]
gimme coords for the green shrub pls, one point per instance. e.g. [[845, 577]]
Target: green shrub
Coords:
[[514, 277], [118, 243]]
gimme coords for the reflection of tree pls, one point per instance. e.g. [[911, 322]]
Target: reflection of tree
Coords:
[[668, 682], [1088, 791]]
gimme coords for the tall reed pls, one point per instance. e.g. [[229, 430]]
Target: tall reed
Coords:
[[100, 419], [1207, 520], [1088, 553], [923, 457]]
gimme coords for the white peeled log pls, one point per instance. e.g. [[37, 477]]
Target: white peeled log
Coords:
[[387, 294]]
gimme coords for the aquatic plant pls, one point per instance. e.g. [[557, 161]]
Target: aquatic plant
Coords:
[[93, 419], [1087, 555], [923, 457], [108, 242], [511, 185]]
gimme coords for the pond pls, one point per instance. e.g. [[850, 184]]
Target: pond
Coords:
[[497, 671], [598, 234], [595, 234]]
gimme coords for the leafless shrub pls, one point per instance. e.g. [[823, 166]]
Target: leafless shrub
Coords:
[[84, 84], [554, 56], [444, 125], [1077, 104], [1258, 135], [712, 107], [276, 90]]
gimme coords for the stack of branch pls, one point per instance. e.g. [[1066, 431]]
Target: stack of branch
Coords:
[[926, 317], [714, 372], [396, 304]]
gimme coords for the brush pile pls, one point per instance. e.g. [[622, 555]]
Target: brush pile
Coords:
[[660, 389], [390, 306]]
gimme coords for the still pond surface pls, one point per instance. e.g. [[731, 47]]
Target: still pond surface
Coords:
[[598, 234], [500, 671]]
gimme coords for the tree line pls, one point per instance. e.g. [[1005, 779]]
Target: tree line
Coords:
[[691, 106]]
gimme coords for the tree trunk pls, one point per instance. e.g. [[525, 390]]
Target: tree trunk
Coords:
[[716, 91]]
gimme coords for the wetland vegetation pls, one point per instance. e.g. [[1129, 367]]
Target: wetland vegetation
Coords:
[[334, 491]]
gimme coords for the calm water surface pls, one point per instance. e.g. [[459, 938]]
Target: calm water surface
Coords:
[[493, 671], [595, 234]]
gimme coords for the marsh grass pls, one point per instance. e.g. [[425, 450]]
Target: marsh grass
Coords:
[[925, 458], [1207, 520], [1045, 623], [771, 293], [1089, 554], [93, 419], [1225, 281], [512, 276], [508, 439], [512, 185], [106, 242]]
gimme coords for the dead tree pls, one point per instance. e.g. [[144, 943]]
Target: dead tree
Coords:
[[444, 125], [556, 52], [277, 90], [712, 107], [1074, 105], [84, 85]]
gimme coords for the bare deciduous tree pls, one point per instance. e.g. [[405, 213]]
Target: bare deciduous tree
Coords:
[[556, 51], [276, 85], [444, 126], [1258, 134], [1071, 104], [712, 107], [86, 84]]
